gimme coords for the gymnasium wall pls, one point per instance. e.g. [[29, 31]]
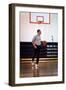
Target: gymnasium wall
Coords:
[[28, 30]]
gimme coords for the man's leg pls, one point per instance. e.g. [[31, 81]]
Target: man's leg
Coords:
[[38, 52], [34, 54]]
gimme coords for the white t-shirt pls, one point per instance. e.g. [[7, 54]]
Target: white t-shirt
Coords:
[[37, 40]]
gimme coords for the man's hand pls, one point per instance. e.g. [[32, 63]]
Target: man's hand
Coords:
[[34, 45]]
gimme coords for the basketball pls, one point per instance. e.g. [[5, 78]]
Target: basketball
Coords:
[[44, 43]]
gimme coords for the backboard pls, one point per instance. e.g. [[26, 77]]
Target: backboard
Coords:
[[39, 18]]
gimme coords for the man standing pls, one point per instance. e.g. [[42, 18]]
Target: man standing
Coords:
[[36, 41]]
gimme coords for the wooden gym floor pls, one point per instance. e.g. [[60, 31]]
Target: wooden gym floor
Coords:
[[47, 67]]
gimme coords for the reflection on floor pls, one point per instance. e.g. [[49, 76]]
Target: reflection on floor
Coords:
[[48, 67]]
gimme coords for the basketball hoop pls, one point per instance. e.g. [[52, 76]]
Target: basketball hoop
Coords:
[[39, 22]]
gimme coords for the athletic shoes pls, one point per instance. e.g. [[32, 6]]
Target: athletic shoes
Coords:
[[32, 63], [36, 66]]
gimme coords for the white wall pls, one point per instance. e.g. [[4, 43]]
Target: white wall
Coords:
[[28, 30]]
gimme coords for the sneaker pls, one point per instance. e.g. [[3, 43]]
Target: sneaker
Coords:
[[36, 66], [32, 67], [32, 63]]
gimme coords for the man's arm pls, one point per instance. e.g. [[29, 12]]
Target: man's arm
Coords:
[[34, 45], [33, 42]]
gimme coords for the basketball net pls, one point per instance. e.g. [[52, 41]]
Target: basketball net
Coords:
[[39, 22]]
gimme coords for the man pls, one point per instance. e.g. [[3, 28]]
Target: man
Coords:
[[36, 41]]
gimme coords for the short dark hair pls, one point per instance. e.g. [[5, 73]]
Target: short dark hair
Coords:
[[38, 30]]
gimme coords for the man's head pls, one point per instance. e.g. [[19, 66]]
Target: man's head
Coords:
[[39, 32]]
